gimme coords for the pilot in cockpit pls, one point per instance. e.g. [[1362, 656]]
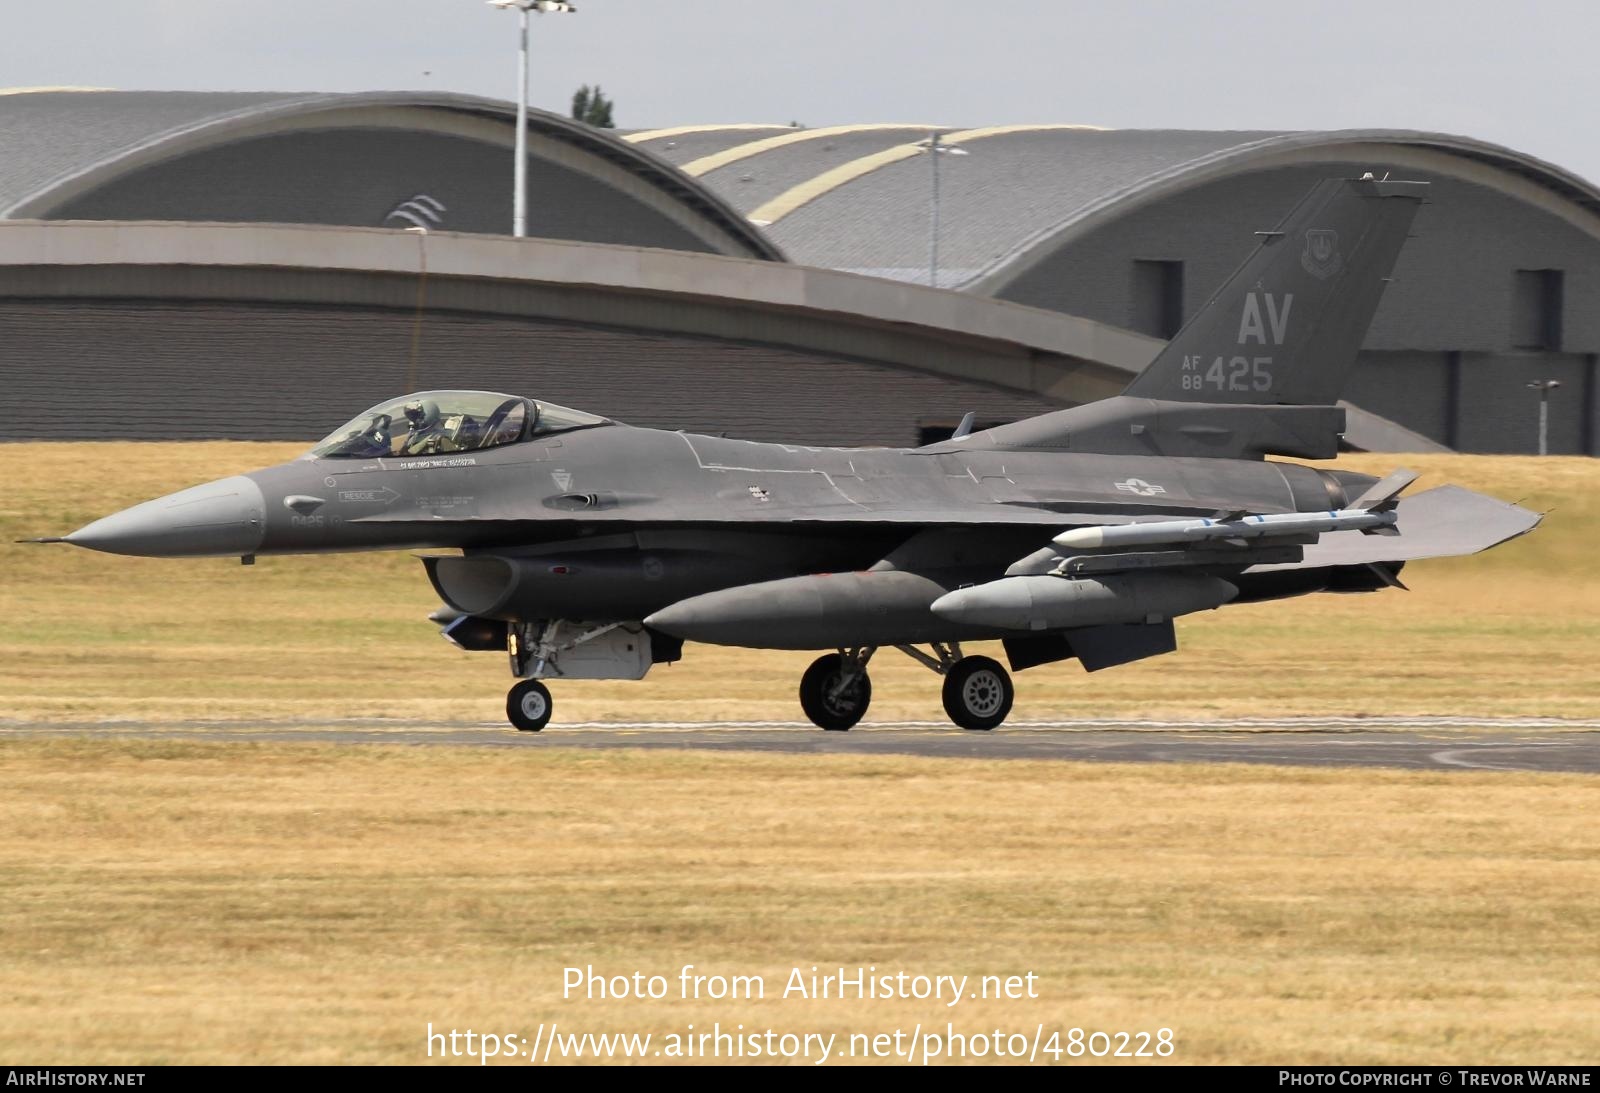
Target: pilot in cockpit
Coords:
[[430, 422], [428, 433]]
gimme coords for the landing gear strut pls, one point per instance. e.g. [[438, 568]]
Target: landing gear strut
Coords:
[[528, 705], [570, 649], [836, 690]]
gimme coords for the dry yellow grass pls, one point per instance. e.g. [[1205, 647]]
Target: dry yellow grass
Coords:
[[90, 636], [251, 903]]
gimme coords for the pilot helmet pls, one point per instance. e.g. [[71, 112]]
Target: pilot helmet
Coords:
[[422, 413]]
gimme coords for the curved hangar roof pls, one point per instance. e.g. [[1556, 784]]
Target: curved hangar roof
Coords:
[[361, 159], [856, 197]]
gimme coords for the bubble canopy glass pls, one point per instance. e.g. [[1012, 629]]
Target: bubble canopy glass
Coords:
[[448, 421]]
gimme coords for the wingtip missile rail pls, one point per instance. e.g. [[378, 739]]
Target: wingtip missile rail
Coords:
[[1102, 536]]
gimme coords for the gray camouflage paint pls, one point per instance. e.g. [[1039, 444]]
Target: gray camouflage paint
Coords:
[[712, 539]]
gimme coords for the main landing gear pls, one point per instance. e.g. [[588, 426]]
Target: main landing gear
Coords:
[[836, 690], [978, 693]]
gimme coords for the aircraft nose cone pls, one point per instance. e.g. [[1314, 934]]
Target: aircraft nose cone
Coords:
[[222, 517]]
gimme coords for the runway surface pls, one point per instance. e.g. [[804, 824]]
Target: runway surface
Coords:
[[1417, 743]]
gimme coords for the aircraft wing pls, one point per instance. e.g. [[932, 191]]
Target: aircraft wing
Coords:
[[1437, 523]]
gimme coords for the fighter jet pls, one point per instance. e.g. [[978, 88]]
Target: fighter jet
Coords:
[[583, 548]]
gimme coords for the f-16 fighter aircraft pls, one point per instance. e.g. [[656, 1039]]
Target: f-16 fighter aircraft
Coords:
[[587, 549]]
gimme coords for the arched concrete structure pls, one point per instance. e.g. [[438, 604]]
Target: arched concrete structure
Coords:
[[349, 159]]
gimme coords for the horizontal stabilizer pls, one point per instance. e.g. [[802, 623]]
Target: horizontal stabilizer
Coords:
[[1438, 523]]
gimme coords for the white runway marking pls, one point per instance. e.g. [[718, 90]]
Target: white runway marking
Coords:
[[1240, 724], [1463, 757], [1233, 724]]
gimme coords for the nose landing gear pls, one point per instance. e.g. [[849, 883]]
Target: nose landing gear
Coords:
[[528, 706]]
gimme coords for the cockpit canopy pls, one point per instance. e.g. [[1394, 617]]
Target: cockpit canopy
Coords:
[[432, 422]]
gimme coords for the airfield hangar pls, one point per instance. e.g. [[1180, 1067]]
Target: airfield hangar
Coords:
[[184, 265]]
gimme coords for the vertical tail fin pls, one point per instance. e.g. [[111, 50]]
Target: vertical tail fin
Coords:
[[1286, 327]]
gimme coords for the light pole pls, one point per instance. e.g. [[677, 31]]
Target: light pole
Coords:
[[421, 231], [1544, 387], [934, 149], [519, 170]]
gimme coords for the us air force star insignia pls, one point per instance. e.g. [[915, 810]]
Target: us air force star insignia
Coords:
[[1141, 487], [1321, 256]]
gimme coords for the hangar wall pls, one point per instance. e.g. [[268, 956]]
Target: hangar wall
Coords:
[[1447, 354], [161, 369]]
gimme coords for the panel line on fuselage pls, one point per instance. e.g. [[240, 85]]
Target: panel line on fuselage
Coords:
[[826, 476]]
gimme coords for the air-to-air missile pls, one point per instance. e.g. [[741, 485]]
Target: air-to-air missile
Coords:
[[1057, 600], [1100, 537]]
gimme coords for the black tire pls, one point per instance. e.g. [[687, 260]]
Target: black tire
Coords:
[[528, 706], [826, 711], [978, 693]]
